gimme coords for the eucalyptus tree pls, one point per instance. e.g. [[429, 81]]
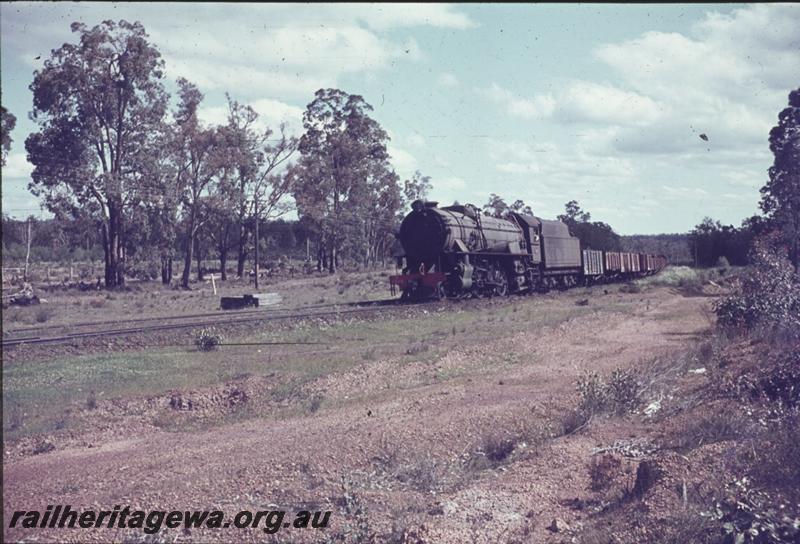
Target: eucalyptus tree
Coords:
[[343, 162], [256, 181], [97, 104], [7, 123], [780, 197], [198, 161]]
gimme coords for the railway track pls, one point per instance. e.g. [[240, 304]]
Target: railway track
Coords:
[[226, 313], [38, 335]]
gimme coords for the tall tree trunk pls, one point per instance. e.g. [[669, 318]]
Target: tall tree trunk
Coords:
[[255, 243], [199, 254], [106, 252], [113, 246], [244, 234], [27, 252], [122, 255], [166, 264], [223, 263], [189, 253], [187, 262], [332, 260]]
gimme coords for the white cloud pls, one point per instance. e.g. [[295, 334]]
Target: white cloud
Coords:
[[728, 79], [387, 16], [289, 60], [677, 192], [417, 140], [548, 169], [250, 49], [271, 113], [449, 183], [539, 106], [446, 79], [17, 166], [581, 102], [585, 101], [404, 162]]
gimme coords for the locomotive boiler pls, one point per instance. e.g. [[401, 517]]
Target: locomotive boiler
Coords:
[[456, 251]]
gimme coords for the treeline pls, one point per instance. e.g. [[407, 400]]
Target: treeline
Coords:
[[52, 240], [592, 234], [673, 246], [113, 150], [711, 243], [152, 182]]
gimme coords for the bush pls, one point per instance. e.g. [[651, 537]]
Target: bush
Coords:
[[623, 390], [748, 515], [769, 295], [207, 340], [498, 449], [43, 446], [43, 314], [593, 392], [630, 288], [620, 392], [603, 471]]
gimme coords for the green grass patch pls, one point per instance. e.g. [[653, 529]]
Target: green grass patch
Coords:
[[39, 396]]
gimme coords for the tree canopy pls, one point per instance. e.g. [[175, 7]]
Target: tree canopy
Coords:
[[780, 197], [98, 104], [7, 123], [592, 234], [496, 206], [343, 181]]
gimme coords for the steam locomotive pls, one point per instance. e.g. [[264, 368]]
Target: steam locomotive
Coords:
[[457, 251]]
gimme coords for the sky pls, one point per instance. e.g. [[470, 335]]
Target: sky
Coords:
[[547, 103]]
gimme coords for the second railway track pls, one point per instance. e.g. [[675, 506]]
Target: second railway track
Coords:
[[157, 324]]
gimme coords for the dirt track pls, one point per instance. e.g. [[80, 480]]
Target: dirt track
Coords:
[[403, 435]]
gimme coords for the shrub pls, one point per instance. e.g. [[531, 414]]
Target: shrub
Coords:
[[43, 314], [573, 420], [619, 393], [315, 403], [631, 288], [769, 295], [43, 446], [498, 449], [692, 285], [623, 390], [593, 392], [207, 340], [748, 515], [710, 429], [603, 470], [91, 401]]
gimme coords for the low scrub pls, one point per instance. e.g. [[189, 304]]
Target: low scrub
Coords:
[[768, 297], [207, 340], [619, 393], [749, 515], [43, 314]]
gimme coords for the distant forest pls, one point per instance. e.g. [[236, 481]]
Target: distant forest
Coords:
[[68, 240], [675, 247]]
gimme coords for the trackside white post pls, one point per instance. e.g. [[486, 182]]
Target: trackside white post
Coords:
[[214, 285]]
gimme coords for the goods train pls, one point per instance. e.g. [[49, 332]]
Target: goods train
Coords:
[[457, 251]]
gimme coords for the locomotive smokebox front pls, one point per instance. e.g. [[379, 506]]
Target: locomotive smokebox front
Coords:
[[423, 232]]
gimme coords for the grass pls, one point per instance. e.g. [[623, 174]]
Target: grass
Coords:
[[38, 394]]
